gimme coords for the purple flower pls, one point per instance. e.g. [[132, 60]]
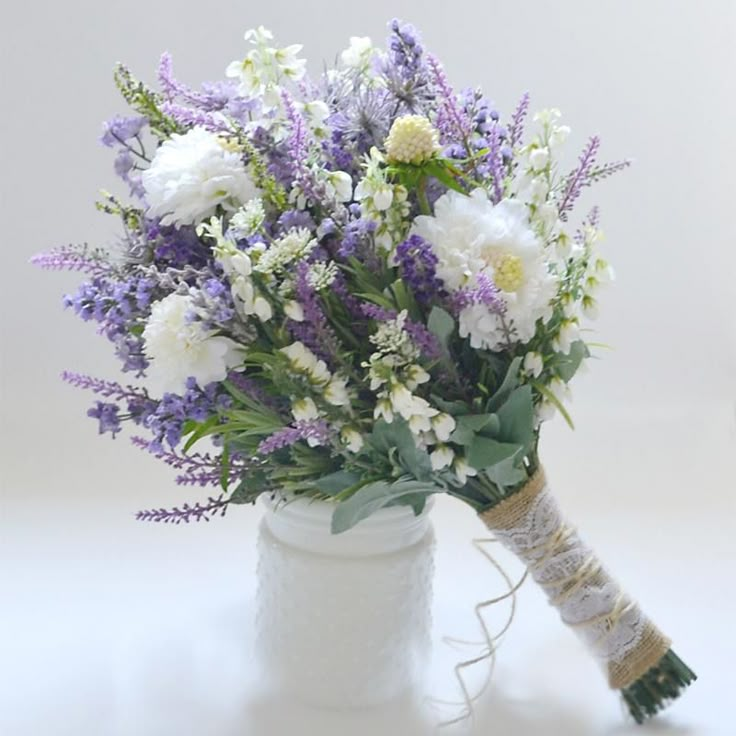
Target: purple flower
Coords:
[[121, 129], [405, 70], [72, 258], [452, 122], [516, 130], [316, 430], [418, 266], [187, 513], [314, 330], [107, 415], [356, 237], [486, 292], [579, 177]]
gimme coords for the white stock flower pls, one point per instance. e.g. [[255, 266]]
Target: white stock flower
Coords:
[[294, 311], [191, 174], [303, 360], [340, 185], [179, 348], [533, 364], [568, 334], [358, 54], [443, 426], [304, 410], [441, 457], [539, 158], [352, 439], [463, 470], [472, 237], [336, 392], [265, 67]]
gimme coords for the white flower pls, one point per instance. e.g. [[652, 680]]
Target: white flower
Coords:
[[533, 364], [352, 439], [443, 426], [358, 54], [304, 410], [412, 140], [384, 410], [265, 67], [296, 244], [303, 360], [340, 186], [294, 311], [472, 237], [568, 334], [336, 392], [179, 348], [373, 189], [415, 375], [441, 457], [539, 158], [248, 219], [190, 175], [322, 274], [463, 470]]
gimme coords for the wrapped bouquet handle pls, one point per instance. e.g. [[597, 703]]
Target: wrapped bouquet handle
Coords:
[[635, 655]]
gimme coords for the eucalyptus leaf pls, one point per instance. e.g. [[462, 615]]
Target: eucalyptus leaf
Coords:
[[250, 487], [334, 483], [441, 324], [485, 452], [517, 418], [374, 496], [567, 365], [506, 473], [469, 425], [509, 383]]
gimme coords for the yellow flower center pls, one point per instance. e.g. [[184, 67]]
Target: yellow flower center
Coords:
[[508, 274]]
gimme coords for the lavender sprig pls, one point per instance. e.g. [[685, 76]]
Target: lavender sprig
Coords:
[[108, 389], [198, 512], [316, 430], [485, 292], [577, 178], [452, 123], [73, 258], [516, 129]]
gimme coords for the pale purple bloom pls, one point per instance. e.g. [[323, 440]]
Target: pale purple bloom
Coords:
[[516, 129], [422, 337], [72, 258], [316, 430], [418, 266], [107, 415], [119, 129], [213, 507], [578, 177], [485, 292]]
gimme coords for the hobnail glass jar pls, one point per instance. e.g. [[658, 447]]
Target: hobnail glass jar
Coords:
[[344, 620]]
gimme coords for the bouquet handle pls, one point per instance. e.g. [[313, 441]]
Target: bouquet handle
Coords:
[[635, 655]]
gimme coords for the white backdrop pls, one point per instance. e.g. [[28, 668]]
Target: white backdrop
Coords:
[[655, 417]]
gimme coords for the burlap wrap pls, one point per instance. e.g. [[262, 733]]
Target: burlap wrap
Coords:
[[509, 518]]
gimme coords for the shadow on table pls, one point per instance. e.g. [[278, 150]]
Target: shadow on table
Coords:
[[274, 716]]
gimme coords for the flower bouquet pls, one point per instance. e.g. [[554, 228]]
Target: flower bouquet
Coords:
[[363, 287]]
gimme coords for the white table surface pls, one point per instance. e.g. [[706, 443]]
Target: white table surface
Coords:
[[115, 628]]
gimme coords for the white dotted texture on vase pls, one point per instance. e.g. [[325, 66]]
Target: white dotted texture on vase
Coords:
[[338, 630]]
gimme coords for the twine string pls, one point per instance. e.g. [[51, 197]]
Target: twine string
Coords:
[[489, 643]]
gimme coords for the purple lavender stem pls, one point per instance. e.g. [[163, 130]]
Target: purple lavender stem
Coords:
[[577, 178], [186, 513], [516, 130], [449, 115], [69, 258], [108, 389], [486, 292], [287, 436]]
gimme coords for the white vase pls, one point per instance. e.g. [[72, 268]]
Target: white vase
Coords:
[[343, 620]]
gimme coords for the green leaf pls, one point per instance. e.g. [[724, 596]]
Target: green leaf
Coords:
[[397, 437], [507, 473], [517, 418], [510, 382], [250, 487], [417, 501], [469, 425], [202, 429], [567, 365], [441, 325], [372, 497], [334, 483], [485, 452], [455, 408]]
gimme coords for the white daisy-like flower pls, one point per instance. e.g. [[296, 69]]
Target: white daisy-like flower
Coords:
[[191, 174], [179, 348], [472, 237]]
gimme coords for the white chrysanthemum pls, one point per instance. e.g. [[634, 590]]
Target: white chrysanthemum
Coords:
[[179, 349], [191, 174], [472, 237]]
